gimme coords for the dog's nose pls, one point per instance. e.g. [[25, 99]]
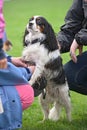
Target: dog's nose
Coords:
[[30, 24]]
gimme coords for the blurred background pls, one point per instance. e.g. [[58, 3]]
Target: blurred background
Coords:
[[17, 14]]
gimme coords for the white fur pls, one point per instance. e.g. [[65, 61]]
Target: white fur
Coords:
[[30, 37]]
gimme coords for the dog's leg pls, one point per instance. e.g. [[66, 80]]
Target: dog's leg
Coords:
[[55, 112], [37, 73], [65, 100], [45, 106], [68, 108]]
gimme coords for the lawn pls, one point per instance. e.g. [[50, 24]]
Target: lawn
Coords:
[[17, 14]]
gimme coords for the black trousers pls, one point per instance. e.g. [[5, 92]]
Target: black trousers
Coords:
[[76, 74]]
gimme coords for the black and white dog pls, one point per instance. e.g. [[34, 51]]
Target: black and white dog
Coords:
[[41, 48]]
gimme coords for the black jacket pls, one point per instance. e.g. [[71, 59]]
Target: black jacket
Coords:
[[75, 26]]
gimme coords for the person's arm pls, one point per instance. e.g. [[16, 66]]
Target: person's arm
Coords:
[[17, 61], [15, 75], [73, 24], [81, 37]]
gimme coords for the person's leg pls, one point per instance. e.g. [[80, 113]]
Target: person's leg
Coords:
[[76, 74], [26, 94]]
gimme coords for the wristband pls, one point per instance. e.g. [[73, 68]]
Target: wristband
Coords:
[[9, 58]]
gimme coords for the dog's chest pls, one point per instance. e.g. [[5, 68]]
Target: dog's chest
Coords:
[[52, 90]]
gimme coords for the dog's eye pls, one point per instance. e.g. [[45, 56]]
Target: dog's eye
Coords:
[[38, 21]]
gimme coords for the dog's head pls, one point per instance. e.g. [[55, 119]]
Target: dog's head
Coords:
[[36, 24], [38, 30]]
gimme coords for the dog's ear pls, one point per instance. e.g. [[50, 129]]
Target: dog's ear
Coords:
[[60, 79], [50, 36], [25, 33]]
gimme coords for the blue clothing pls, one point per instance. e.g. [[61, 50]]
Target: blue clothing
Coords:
[[11, 118], [77, 74], [14, 75]]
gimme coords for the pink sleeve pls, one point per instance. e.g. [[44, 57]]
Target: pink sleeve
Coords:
[[2, 22]]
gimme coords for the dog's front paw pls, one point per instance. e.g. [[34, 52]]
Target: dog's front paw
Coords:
[[39, 85]]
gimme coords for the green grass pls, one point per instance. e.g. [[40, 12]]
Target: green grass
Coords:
[[17, 13], [33, 115]]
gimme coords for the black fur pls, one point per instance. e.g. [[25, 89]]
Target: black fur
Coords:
[[57, 65], [25, 33], [39, 85], [51, 42], [54, 64], [60, 78]]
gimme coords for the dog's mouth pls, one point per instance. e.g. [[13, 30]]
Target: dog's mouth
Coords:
[[30, 27]]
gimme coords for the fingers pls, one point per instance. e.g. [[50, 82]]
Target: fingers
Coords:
[[73, 57], [17, 61], [80, 49], [73, 53], [22, 64], [73, 49]]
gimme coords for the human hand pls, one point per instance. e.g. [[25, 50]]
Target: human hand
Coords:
[[3, 63], [73, 49], [18, 61]]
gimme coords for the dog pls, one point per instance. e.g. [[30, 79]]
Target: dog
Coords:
[[40, 47]]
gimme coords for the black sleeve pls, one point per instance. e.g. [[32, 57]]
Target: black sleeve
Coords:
[[81, 37], [73, 24]]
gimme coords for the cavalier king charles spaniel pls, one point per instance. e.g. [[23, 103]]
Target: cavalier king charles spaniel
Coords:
[[41, 48]]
